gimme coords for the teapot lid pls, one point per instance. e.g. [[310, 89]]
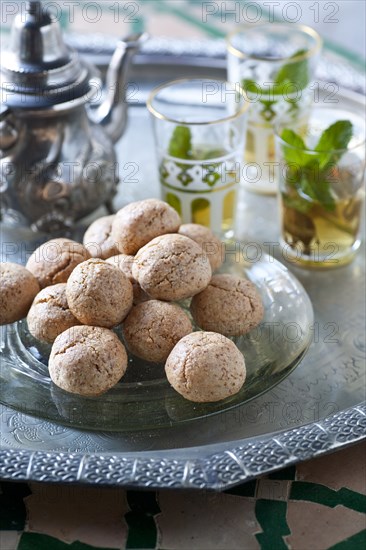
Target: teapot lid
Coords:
[[39, 70]]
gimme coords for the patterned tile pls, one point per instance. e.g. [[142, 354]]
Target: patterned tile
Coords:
[[318, 527], [142, 530], [206, 520], [9, 540], [330, 469], [70, 513], [12, 509], [34, 541]]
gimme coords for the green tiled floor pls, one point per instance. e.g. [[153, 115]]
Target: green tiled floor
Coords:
[[328, 495]]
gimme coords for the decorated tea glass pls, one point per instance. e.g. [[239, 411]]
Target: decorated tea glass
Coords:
[[275, 64], [200, 128], [321, 176]]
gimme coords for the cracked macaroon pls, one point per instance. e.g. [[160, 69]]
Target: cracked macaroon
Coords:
[[124, 262], [49, 314], [229, 305], [139, 222], [18, 288], [171, 268], [87, 360], [207, 240], [205, 367], [152, 329], [98, 239], [54, 261], [99, 294]]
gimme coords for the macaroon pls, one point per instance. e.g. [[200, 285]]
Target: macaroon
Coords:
[[139, 222], [171, 268], [124, 262], [98, 239], [152, 329], [87, 360], [49, 314], [54, 261], [229, 305], [207, 240], [99, 294], [206, 367], [18, 289]]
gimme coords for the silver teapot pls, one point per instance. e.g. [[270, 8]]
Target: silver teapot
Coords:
[[57, 157]]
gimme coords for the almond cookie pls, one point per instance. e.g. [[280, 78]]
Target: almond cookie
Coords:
[[205, 367], [171, 267], [140, 222], [98, 239], [49, 314], [124, 263], [229, 305], [54, 261], [87, 360], [99, 294], [18, 288], [209, 243], [152, 329]]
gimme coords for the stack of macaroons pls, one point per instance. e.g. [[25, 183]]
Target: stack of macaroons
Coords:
[[131, 270]]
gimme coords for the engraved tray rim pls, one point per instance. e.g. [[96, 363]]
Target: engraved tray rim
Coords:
[[239, 461], [217, 471]]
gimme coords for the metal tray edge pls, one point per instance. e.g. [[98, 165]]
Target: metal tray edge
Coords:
[[218, 471]]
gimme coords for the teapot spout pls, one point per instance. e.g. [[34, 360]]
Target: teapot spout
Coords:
[[112, 112]]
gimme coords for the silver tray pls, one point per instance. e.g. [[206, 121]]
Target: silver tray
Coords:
[[319, 408]]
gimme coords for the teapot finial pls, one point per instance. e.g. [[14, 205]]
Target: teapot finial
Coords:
[[38, 70]]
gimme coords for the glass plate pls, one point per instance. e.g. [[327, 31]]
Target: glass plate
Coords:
[[144, 399]]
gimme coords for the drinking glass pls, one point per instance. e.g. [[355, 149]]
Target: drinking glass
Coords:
[[322, 186], [199, 127], [275, 64]]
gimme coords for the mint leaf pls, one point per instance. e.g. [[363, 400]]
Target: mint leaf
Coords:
[[292, 138], [337, 136], [293, 75], [295, 153], [251, 86], [180, 145], [315, 185], [334, 138], [290, 78]]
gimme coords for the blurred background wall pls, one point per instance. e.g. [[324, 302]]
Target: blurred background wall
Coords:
[[341, 22]]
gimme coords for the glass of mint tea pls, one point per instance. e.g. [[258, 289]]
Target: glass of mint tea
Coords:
[[275, 65], [200, 127], [321, 177]]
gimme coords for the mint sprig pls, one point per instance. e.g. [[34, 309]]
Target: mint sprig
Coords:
[[310, 172], [334, 139], [292, 77], [293, 74], [180, 145]]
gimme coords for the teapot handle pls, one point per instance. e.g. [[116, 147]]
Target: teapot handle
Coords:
[[8, 131], [4, 111]]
